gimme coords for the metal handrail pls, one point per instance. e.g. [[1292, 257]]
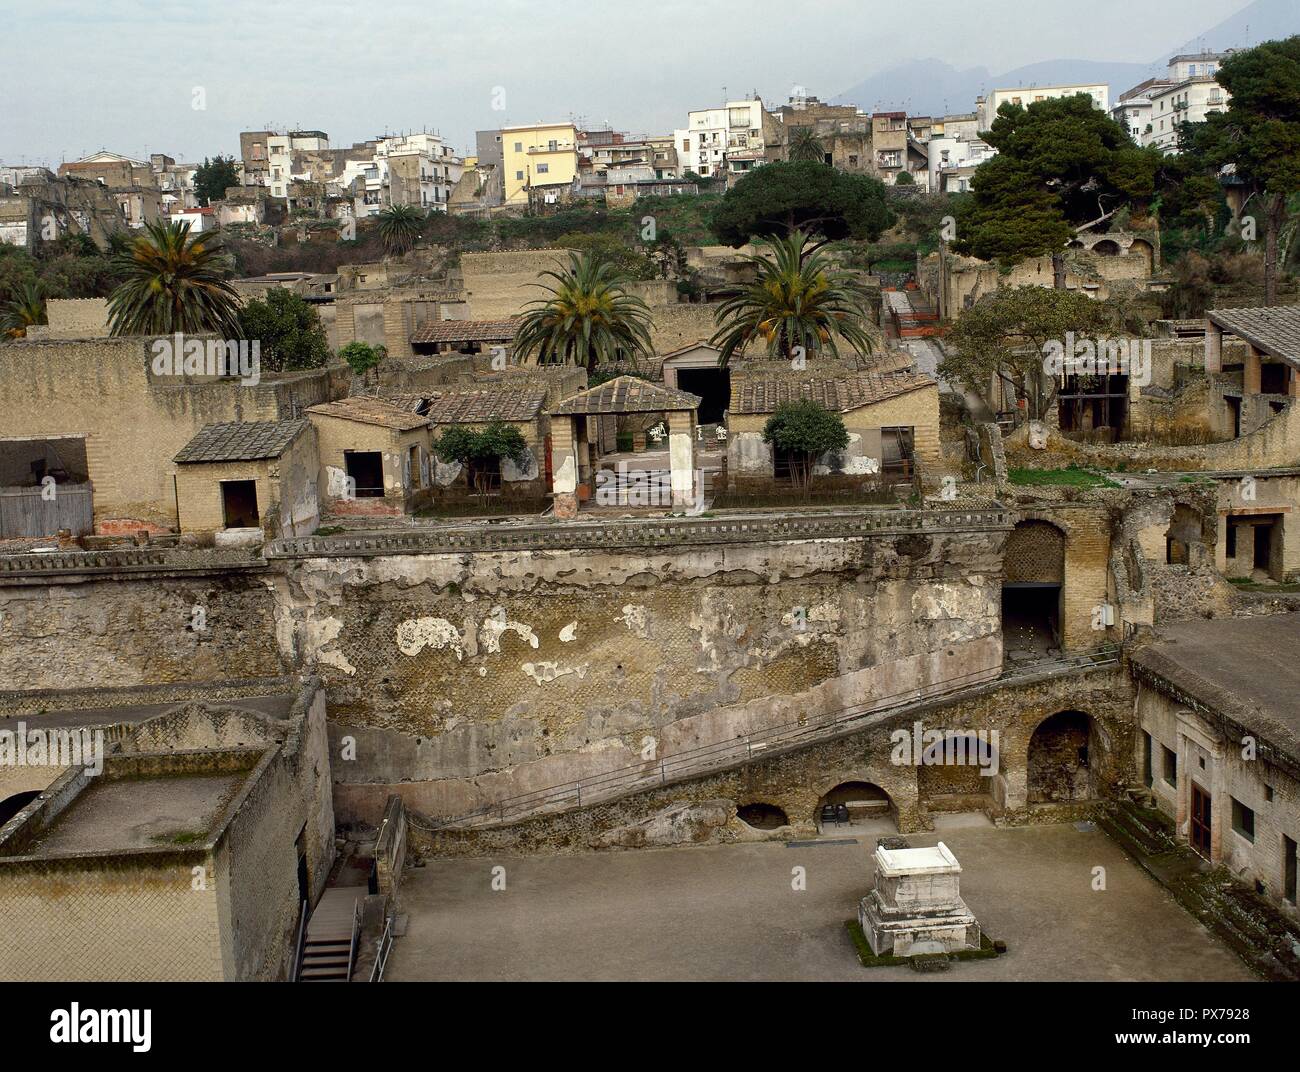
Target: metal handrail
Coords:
[[302, 936], [695, 761], [356, 930], [381, 954]]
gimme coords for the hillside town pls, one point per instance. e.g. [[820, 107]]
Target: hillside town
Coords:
[[905, 500]]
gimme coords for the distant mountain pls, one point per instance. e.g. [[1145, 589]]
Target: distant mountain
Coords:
[[933, 87], [1264, 20]]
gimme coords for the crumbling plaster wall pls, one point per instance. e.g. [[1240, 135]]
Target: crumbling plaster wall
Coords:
[[479, 676]]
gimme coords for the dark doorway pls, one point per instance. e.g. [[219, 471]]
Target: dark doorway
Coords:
[[1234, 407], [1200, 827], [239, 503], [11, 806], [1273, 378], [763, 816], [304, 879], [366, 468], [1094, 404], [896, 453], [1031, 616], [1032, 587], [1288, 869], [713, 385], [1263, 542]]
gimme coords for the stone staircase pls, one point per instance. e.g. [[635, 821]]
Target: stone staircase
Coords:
[[1261, 935]]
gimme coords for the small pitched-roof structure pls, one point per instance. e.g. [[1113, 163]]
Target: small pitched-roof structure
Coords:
[[840, 395], [1275, 330], [366, 409], [510, 404], [627, 394], [240, 441], [435, 331]]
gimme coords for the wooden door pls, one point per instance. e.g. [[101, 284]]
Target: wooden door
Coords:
[[1200, 832]]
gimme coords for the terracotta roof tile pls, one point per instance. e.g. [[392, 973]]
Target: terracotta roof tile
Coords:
[[368, 410], [628, 394], [1274, 329], [838, 395], [518, 404], [465, 330], [240, 441]]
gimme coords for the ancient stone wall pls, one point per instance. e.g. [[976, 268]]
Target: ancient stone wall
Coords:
[[490, 674], [704, 809]]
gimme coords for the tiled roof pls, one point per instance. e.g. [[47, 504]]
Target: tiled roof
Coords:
[[239, 441], [628, 394], [489, 404], [465, 330], [1275, 329], [838, 395], [368, 410]]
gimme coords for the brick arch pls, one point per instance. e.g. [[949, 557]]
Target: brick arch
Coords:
[[1035, 552], [1058, 759]]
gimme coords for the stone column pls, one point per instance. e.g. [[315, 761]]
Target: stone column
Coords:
[[397, 327], [1213, 347], [681, 456], [564, 468], [1250, 377]]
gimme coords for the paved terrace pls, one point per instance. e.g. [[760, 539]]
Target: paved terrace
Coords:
[[728, 912], [140, 813]]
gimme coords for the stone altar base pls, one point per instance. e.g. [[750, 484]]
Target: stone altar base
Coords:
[[916, 905]]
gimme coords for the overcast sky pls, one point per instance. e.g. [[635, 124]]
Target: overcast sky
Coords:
[[81, 75]]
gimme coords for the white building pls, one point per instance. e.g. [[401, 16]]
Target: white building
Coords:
[[279, 152], [953, 159], [726, 140], [986, 107], [424, 167], [1154, 110]]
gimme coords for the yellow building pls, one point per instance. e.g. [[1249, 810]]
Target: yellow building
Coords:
[[544, 154]]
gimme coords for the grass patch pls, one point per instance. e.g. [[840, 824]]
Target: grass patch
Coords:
[[182, 837], [329, 530], [988, 949], [1071, 476]]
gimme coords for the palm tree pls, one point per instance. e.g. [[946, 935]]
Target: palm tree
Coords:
[[171, 282], [588, 319], [804, 145], [26, 310], [399, 227], [793, 302]]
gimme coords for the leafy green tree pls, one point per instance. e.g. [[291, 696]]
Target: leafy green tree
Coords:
[[362, 357], [288, 329], [172, 282], [399, 227], [26, 310], [804, 145], [1062, 166], [796, 300], [776, 200], [588, 319], [481, 451], [904, 179], [1005, 333], [611, 249], [805, 430], [213, 177], [1259, 135]]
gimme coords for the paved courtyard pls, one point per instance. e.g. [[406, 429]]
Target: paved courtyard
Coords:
[[728, 912]]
